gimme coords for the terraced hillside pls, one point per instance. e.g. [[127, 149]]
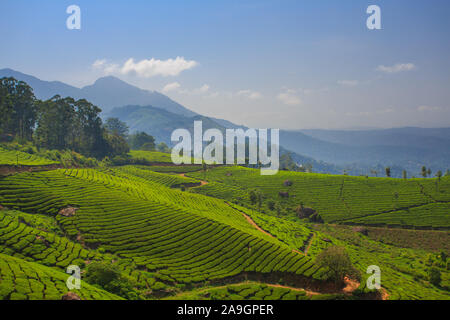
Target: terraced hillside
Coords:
[[421, 203], [182, 237], [23, 280], [207, 242], [13, 157]]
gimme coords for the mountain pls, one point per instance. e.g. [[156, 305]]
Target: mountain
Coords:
[[107, 93], [408, 148], [42, 89], [408, 136], [161, 123], [158, 122]]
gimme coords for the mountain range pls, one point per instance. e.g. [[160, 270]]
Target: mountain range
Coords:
[[107, 93], [332, 151]]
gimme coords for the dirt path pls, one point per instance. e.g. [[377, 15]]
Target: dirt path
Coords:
[[309, 243], [350, 285], [202, 182], [308, 292]]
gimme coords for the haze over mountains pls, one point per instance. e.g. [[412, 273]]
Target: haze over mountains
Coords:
[[358, 151], [107, 93]]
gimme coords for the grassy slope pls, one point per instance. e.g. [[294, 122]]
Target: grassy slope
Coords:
[[397, 202], [182, 237], [13, 157], [133, 213], [23, 280]]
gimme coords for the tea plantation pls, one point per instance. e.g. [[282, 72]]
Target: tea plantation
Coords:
[[169, 234]]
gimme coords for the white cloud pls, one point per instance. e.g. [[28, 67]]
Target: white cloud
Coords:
[[253, 95], [203, 89], [289, 98], [171, 87], [348, 83], [147, 68], [105, 66], [99, 63], [428, 108], [153, 67], [399, 67]]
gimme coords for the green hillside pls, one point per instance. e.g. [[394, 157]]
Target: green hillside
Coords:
[[207, 242], [23, 280], [421, 203], [13, 157]]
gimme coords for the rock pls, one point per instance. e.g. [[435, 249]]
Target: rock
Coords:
[[327, 240], [287, 183], [283, 194], [361, 230], [68, 211], [70, 296], [305, 212]]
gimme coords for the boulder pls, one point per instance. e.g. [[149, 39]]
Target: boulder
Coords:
[[70, 296], [287, 183], [283, 194], [68, 211]]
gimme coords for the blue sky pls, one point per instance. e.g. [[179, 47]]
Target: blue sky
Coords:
[[280, 64]]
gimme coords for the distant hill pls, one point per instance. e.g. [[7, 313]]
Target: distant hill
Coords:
[[358, 151], [107, 93], [161, 123], [409, 148]]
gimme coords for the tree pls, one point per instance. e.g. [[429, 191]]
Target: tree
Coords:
[[117, 127], [18, 106], [424, 171], [259, 201], [404, 174], [138, 139], [388, 172], [109, 278], [439, 175], [204, 169], [162, 147], [278, 209], [116, 144], [338, 264], [253, 196], [434, 275], [271, 205], [148, 146], [429, 172], [63, 123]]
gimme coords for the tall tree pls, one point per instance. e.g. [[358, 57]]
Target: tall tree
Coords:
[[388, 172], [18, 100], [139, 139], [424, 171], [117, 127]]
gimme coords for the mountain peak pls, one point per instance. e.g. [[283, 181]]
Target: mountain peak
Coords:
[[110, 80]]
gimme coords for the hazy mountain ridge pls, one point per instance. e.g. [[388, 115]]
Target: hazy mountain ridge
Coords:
[[357, 150], [107, 93]]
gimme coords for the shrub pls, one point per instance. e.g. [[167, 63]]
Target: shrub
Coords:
[[271, 205], [109, 278], [337, 261], [435, 276]]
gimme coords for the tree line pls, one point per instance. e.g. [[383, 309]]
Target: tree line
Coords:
[[57, 123]]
